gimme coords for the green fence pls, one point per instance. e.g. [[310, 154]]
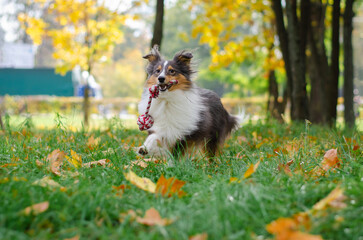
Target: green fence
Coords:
[[38, 81]]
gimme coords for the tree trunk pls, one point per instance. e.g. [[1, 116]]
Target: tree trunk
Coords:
[[332, 84], [284, 46], [274, 105], [348, 64], [318, 66], [158, 25], [299, 95], [86, 104]]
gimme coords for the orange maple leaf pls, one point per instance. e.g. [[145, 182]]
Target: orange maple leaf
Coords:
[[287, 229], [152, 217], [170, 186]]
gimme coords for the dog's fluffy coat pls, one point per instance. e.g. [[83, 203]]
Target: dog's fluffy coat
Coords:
[[186, 117]]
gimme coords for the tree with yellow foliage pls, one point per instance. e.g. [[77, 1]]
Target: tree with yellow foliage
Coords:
[[83, 33], [239, 31]]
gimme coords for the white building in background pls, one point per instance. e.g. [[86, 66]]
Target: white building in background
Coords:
[[17, 55]]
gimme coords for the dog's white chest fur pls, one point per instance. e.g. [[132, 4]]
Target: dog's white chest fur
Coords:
[[175, 113]]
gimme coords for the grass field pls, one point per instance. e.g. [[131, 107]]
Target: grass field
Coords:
[[278, 200]]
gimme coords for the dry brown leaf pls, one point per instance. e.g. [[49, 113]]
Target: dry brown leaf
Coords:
[[92, 142], [335, 199], [130, 213], [143, 162], [39, 163], [77, 237], [143, 183], [330, 160], [47, 182], [101, 162], [201, 236], [170, 186], [285, 168], [251, 170], [55, 160], [36, 208], [152, 218]]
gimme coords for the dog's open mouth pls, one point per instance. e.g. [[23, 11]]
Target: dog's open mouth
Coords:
[[163, 87]]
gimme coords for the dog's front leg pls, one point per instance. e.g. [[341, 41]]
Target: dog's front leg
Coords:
[[154, 146]]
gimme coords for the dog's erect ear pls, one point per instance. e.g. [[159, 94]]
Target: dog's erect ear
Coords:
[[184, 57], [154, 54]]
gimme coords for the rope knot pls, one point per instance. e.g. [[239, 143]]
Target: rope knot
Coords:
[[146, 121]]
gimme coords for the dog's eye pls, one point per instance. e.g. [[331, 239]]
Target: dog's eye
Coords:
[[157, 71], [171, 71]]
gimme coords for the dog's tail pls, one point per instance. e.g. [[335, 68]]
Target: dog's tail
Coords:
[[239, 119]]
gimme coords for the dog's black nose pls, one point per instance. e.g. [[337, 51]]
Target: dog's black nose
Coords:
[[161, 79]]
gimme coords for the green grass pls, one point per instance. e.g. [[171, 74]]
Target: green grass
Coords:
[[89, 207]]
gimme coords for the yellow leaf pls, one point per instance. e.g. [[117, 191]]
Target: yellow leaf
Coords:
[[143, 183], [152, 217], [234, 179], [335, 199], [75, 159], [36, 208], [251, 170]]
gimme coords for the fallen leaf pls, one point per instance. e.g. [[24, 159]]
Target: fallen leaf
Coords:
[[75, 159], [47, 182], [287, 229], [143, 162], [101, 162], [39, 163], [55, 160], [77, 237], [251, 169], [285, 168], [234, 179], [130, 213], [330, 160], [201, 236], [8, 165], [152, 218], [335, 199], [92, 142], [170, 186], [143, 183], [36, 208], [120, 189]]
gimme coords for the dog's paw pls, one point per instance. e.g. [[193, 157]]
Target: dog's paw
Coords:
[[142, 150]]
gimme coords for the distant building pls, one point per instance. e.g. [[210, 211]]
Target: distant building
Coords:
[[17, 55]]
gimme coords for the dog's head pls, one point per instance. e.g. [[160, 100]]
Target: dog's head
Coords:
[[161, 71]]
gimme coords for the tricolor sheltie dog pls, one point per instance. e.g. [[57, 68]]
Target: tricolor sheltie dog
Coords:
[[186, 117]]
